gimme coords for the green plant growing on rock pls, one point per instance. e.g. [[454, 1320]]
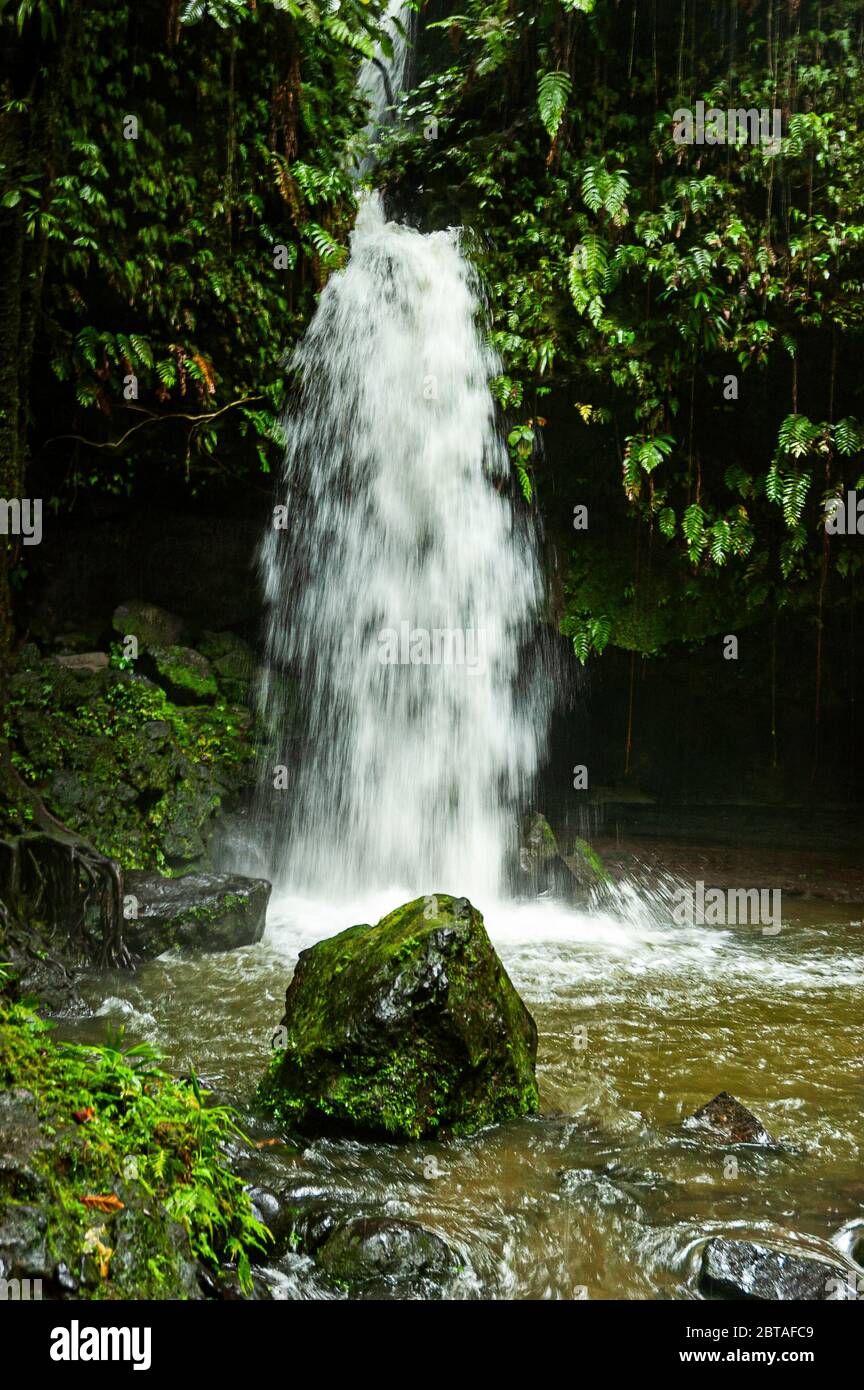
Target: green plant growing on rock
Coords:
[[407, 1028], [117, 761], [130, 1164]]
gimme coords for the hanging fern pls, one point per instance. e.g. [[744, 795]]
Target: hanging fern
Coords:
[[848, 436], [553, 92], [525, 482], [798, 436], [351, 37], [331, 254], [794, 495], [693, 526], [606, 192]]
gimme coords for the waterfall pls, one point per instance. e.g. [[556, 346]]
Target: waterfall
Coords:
[[400, 590], [382, 77]]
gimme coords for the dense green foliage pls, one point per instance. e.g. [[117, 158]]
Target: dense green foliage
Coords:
[[113, 1123], [160, 253], [681, 321], [630, 276]]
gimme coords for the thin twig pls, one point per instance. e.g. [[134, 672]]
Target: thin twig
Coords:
[[151, 420]]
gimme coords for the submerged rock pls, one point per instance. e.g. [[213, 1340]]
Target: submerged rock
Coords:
[[725, 1118], [742, 1269], [404, 1029], [204, 912], [849, 1240], [380, 1257]]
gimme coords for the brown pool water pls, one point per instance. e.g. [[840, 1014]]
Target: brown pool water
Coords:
[[640, 1021]]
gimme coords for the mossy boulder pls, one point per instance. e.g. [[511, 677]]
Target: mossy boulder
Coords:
[[547, 868], [539, 847], [404, 1029], [585, 863], [153, 626], [233, 662], [184, 674]]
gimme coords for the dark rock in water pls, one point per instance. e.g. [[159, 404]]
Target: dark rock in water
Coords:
[[614, 1184], [727, 1119], [151, 625], [849, 1240], [548, 869], [224, 1284], [742, 1269], [404, 1029], [265, 1204], [539, 847], [585, 863], [300, 1221], [380, 1257], [204, 912]]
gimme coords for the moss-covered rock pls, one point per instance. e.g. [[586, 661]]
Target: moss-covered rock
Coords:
[[153, 626], [233, 662], [539, 845], [550, 869], [408, 1028], [387, 1258], [184, 674], [585, 863], [137, 774], [201, 912]]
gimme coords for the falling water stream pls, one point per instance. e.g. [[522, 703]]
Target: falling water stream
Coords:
[[408, 780], [401, 590]]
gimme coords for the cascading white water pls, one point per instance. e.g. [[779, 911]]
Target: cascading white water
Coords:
[[382, 78], [401, 590]]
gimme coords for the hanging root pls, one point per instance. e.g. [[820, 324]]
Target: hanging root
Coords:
[[103, 883], [74, 888]]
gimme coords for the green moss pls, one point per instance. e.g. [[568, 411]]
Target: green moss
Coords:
[[403, 1029], [117, 761], [117, 1128], [187, 671], [661, 609], [588, 853]]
